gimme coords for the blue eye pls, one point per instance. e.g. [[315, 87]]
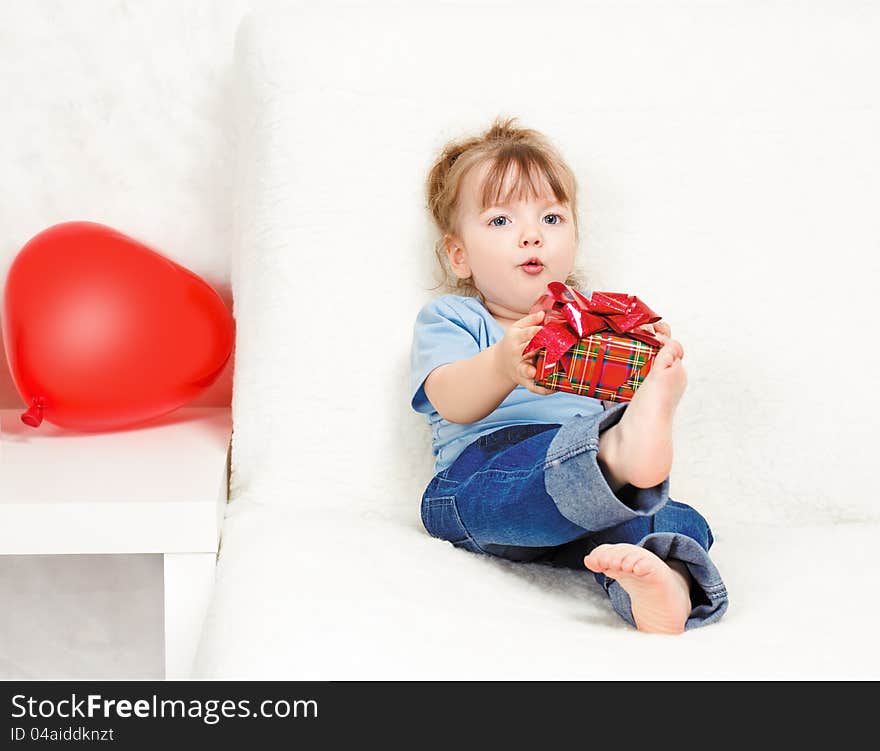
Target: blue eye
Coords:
[[556, 218], [494, 222]]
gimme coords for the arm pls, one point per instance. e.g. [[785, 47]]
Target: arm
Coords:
[[470, 389]]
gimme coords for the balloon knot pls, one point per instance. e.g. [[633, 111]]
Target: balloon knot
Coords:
[[34, 416]]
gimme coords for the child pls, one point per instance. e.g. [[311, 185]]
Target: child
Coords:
[[523, 472]]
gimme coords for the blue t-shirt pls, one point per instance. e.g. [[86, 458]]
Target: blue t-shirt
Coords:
[[452, 328]]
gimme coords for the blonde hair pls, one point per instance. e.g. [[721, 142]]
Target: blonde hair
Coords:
[[505, 147]]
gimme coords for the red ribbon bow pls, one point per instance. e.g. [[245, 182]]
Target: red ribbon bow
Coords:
[[571, 316]]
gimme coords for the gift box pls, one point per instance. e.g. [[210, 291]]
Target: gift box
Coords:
[[593, 346]]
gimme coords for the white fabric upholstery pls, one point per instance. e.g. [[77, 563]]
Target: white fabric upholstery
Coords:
[[728, 190]]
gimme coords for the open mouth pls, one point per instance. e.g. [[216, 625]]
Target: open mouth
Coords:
[[532, 266]]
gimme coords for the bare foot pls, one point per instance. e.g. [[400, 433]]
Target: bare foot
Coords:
[[638, 450], [659, 593]]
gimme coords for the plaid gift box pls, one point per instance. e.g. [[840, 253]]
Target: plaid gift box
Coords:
[[593, 347]]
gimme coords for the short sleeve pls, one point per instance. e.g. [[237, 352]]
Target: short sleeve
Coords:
[[440, 336]]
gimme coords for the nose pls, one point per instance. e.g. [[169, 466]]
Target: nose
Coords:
[[530, 238]]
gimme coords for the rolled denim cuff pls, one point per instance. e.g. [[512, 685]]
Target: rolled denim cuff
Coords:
[[575, 482], [710, 595]]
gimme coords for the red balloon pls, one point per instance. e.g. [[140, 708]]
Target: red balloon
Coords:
[[102, 332]]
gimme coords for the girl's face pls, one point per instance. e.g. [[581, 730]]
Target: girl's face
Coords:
[[511, 250]]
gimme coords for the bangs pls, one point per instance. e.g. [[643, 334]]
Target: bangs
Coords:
[[520, 172]]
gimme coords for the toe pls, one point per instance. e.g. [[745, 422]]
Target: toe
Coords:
[[598, 559], [643, 566], [668, 356], [618, 553], [630, 559]]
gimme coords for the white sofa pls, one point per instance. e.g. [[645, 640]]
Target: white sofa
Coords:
[[721, 153]]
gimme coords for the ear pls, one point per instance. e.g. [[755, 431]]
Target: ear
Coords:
[[457, 256]]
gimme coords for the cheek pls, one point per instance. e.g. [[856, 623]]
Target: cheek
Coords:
[[569, 242]]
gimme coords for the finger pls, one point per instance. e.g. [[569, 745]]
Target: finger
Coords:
[[535, 389], [526, 375], [528, 380], [663, 328], [530, 320]]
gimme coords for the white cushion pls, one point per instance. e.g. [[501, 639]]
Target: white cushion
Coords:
[[317, 595], [699, 194], [722, 180]]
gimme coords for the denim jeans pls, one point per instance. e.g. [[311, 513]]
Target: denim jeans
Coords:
[[536, 493]]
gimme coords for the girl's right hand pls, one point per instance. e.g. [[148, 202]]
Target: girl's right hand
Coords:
[[512, 365]]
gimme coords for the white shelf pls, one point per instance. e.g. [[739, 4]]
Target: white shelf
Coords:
[[160, 488]]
